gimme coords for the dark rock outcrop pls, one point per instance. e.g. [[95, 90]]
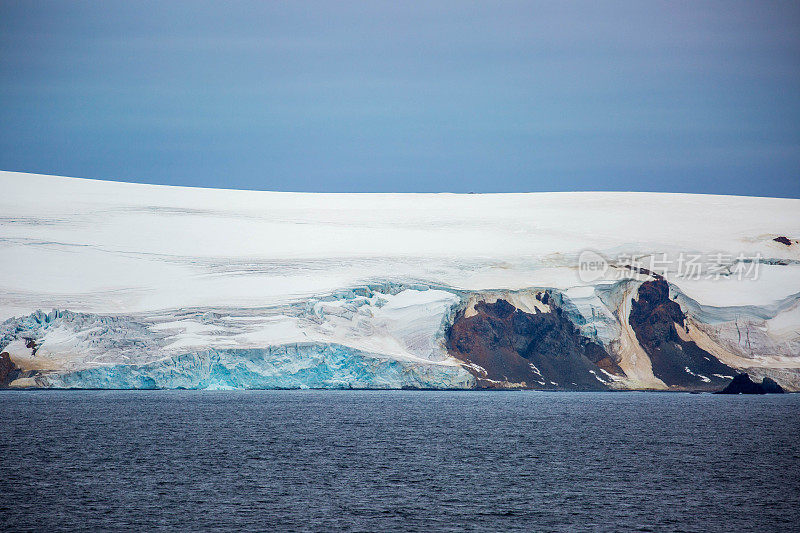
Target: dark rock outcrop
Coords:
[[783, 240], [537, 350], [677, 362], [742, 384], [8, 370], [770, 386], [31, 343]]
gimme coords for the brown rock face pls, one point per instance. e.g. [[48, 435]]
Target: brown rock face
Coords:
[[653, 318], [534, 350], [8, 370]]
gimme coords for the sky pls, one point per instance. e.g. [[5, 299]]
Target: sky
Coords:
[[393, 96]]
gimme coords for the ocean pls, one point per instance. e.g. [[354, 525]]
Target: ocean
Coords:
[[398, 460]]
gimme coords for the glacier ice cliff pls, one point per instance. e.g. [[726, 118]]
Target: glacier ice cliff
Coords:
[[391, 341], [283, 367]]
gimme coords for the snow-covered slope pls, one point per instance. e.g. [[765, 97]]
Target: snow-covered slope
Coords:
[[173, 286]]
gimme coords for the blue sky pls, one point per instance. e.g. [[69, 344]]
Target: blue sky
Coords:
[[392, 96]]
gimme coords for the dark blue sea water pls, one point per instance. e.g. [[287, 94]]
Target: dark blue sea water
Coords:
[[402, 460]]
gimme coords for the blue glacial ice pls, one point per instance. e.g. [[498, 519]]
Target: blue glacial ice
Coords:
[[294, 367]]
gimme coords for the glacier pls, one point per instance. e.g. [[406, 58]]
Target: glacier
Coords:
[[119, 285], [280, 367]]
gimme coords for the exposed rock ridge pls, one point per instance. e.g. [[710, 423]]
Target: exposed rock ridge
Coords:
[[506, 346], [661, 329]]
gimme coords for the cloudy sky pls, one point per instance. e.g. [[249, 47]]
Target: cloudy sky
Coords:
[[396, 96]]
